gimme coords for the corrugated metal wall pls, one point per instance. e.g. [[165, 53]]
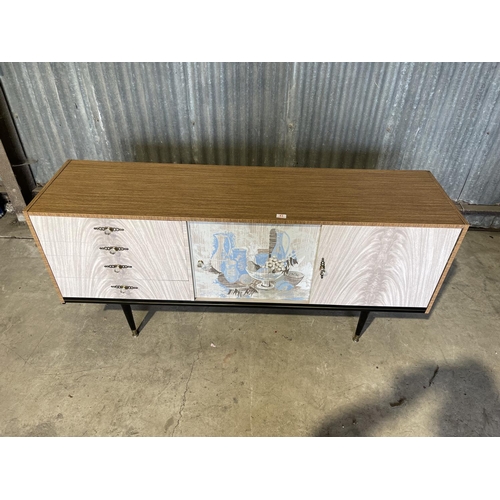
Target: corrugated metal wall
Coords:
[[443, 117]]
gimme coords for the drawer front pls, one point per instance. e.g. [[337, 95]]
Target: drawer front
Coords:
[[115, 289], [76, 230], [381, 266], [101, 265], [230, 261], [77, 247]]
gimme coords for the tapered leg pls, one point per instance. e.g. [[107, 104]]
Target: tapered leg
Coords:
[[130, 318], [363, 316]]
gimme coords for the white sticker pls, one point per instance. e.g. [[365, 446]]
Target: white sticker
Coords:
[[281, 216]]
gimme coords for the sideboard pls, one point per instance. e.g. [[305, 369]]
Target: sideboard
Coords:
[[313, 238]]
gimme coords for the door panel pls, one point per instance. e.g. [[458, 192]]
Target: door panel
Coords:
[[381, 266], [271, 263]]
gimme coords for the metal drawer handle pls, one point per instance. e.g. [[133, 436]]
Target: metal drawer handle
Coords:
[[118, 267], [322, 268], [108, 229], [124, 288], [113, 250]]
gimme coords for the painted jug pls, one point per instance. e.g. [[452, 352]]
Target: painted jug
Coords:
[[222, 250]]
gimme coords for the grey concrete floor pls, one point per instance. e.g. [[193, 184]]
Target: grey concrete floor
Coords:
[[75, 370]]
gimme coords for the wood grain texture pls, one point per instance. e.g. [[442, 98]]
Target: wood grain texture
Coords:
[[383, 267], [247, 194], [157, 250], [146, 289]]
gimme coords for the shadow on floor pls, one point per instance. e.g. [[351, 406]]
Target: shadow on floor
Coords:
[[468, 403], [152, 309]]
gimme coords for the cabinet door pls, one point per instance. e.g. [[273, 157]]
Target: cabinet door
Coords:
[[270, 263], [381, 266]]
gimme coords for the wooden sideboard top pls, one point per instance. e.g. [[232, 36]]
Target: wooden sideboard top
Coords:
[[246, 194]]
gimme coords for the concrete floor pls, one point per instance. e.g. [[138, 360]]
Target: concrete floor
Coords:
[[75, 370]]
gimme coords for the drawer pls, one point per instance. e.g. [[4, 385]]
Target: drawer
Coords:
[[102, 265], [78, 230], [140, 289], [156, 250]]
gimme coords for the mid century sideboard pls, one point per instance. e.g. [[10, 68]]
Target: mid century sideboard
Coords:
[[133, 233]]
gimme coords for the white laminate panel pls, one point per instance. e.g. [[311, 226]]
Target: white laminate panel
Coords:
[[146, 289], [156, 249], [381, 266]]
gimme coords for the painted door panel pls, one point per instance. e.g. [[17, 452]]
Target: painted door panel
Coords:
[[271, 263]]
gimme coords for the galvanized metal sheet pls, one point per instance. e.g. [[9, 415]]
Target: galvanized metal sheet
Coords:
[[484, 221], [443, 117]]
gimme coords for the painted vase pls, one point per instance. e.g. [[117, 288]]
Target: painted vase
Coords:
[[230, 270], [222, 249]]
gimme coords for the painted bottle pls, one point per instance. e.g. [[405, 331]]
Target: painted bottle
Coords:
[[280, 250]]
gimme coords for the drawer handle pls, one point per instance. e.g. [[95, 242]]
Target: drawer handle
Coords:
[[322, 268], [124, 288], [118, 267], [108, 229], [113, 250]]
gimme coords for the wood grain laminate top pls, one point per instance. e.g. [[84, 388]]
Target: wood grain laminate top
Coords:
[[246, 194]]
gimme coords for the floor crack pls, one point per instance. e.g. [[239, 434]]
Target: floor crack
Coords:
[[181, 409], [183, 403], [17, 237]]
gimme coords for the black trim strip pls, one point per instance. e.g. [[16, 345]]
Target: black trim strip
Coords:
[[262, 305]]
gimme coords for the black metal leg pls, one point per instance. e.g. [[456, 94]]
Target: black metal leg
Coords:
[[130, 318], [363, 316]]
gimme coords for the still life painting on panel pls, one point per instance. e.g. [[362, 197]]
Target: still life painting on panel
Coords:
[[253, 261]]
